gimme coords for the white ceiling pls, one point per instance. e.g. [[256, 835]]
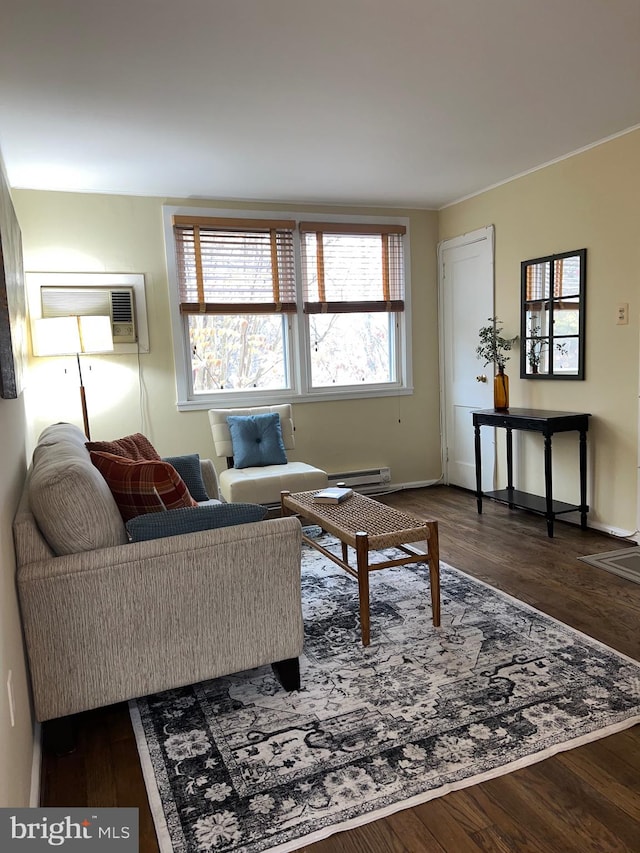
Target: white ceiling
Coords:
[[402, 102]]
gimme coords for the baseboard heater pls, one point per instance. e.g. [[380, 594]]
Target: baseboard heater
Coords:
[[363, 481]]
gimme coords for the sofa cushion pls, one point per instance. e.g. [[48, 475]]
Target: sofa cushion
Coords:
[[264, 485], [191, 520], [70, 500], [141, 487], [135, 446], [191, 472], [257, 440]]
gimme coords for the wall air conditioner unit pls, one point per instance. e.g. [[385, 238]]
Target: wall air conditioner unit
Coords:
[[118, 303]]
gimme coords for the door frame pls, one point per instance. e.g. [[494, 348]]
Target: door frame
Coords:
[[485, 233]]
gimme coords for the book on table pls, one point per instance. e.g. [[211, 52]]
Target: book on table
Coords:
[[332, 495]]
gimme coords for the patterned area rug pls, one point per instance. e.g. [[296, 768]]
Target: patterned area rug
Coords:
[[238, 764]]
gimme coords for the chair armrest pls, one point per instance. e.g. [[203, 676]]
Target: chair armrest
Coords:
[[210, 478]]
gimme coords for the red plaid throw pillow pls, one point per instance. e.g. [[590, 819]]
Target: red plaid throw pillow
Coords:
[[141, 487], [135, 446]]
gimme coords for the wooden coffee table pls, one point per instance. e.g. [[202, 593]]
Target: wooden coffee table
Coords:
[[367, 525]]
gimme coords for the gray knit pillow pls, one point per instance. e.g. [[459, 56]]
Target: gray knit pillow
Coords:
[[189, 469], [155, 525]]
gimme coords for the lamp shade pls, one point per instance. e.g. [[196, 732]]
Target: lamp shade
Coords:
[[95, 334], [56, 336], [70, 335]]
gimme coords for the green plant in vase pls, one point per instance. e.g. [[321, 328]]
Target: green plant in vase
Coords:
[[494, 348]]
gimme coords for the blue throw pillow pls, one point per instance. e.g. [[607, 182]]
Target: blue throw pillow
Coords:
[[257, 440], [155, 525], [189, 469]]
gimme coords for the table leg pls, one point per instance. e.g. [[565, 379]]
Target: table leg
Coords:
[[510, 466], [548, 485], [362, 556], [434, 571], [583, 479], [345, 553], [478, 455]]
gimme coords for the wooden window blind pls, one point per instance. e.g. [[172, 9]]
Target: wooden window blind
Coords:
[[352, 268], [537, 282], [565, 280], [235, 266]]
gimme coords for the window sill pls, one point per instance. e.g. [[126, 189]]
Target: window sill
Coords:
[[286, 396]]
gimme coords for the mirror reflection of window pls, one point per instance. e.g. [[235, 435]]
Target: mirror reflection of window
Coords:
[[552, 316]]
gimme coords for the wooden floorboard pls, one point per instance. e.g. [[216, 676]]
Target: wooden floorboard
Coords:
[[587, 799]]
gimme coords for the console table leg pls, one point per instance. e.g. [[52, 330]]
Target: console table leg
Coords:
[[510, 466], [583, 479], [362, 557], [478, 455], [548, 484]]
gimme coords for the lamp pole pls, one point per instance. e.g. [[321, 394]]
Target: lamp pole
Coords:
[[83, 400]]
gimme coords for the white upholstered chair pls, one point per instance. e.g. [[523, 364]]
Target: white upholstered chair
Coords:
[[261, 484]]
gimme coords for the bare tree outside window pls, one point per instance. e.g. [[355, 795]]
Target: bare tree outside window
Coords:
[[350, 349], [237, 352]]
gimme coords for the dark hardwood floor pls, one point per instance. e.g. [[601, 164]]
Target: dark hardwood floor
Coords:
[[587, 799]]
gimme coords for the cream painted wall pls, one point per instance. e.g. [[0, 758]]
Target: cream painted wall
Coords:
[[16, 744], [100, 233], [589, 200]]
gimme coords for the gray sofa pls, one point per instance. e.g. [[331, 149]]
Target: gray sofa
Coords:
[[106, 620]]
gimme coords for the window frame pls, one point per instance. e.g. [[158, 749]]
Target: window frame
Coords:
[[297, 337]]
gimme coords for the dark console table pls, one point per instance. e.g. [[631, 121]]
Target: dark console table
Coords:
[[547, 423]]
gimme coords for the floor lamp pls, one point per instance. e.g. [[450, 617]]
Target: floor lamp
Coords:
[[73, 336]]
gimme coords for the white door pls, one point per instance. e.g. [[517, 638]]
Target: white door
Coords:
[[466, 304]]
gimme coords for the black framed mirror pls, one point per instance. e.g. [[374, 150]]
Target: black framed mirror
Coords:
[[552, 316]]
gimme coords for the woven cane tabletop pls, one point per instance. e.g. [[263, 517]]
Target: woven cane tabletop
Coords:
[[384, 525]]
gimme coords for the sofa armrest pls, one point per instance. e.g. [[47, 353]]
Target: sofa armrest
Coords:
[[108, 625], [210, 478]]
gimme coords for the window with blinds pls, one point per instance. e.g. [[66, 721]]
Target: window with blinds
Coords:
[[352, 268], [565, 274], [270, 308], [234, 266]]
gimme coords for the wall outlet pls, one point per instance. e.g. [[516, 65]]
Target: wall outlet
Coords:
[[622, 314], [12, 704]]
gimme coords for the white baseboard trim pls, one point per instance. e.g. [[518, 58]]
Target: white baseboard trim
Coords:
[[401, 487], [618, 532], [420, 484], [36, 767]]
